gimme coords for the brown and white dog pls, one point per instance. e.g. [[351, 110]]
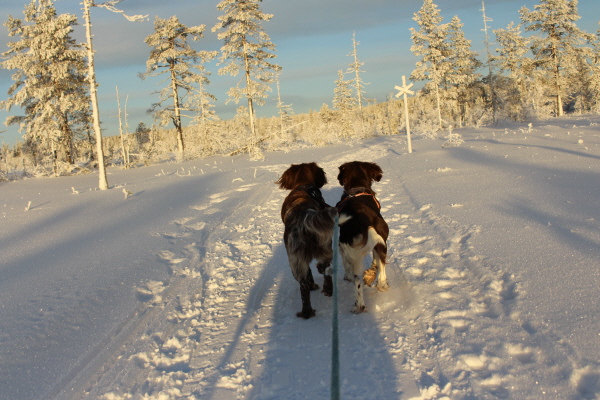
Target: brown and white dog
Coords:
[[362, 228], [308, 231]]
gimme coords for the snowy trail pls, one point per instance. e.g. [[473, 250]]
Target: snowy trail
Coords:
[[225, 326]]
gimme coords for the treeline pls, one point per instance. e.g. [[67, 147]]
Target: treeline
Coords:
[[553, 69]]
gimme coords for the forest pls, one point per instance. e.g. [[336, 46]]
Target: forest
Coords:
[[540, 67]]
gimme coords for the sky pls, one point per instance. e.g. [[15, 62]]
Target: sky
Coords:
[[313, 39]]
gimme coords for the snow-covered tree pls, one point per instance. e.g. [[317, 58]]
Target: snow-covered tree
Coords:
[[172, 55], [489, 63], [464, 64], [343, 96], [247, 48], [344, 101], [512, 58], [558, 48], [49, 82], [430, 44], [355, 69], [595, 78]]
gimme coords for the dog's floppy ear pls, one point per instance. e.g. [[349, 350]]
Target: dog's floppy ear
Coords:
[[341, 175], [375, 171], [288, 179], [319, 178]]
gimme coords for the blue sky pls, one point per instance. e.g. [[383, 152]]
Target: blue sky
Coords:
[[313, 39]]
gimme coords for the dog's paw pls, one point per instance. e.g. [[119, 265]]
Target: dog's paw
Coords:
[[323, 267], [382, 287], [369, 276], [306, 314], [359, 309], [327, 286]]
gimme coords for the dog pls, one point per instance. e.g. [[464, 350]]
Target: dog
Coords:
[[362, 228], [309, 223]]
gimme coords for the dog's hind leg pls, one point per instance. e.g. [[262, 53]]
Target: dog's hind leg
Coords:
[[359, 304], [307, 310], [300, 267], [311, 281], [353, 263], [379, 258], [324, 267]]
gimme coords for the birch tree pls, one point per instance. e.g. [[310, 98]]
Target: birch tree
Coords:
[[172, 55], [109, 5], [429, 43], [49, 82], [355, 69], [248, 49], [285, 112], [559, 44]]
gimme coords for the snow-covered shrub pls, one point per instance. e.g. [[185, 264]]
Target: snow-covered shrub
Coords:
[[427, 127], [453, 140]]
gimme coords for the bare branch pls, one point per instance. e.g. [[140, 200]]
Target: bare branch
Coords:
[[110, 5]]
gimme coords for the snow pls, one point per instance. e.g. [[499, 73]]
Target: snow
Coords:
[[174, 284]]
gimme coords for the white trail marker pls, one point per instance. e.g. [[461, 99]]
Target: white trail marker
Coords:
[[404, 91]]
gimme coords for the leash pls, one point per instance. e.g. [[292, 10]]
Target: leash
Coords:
[[335, 339]]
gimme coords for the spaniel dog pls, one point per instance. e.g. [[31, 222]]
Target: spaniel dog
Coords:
[[309, 223], [362, 228]]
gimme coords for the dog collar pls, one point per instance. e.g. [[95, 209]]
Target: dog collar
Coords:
[[349, 196]]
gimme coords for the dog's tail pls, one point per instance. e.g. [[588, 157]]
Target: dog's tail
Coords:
[[320, 222]]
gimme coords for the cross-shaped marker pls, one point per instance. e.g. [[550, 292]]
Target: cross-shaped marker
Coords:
[[404, 90]]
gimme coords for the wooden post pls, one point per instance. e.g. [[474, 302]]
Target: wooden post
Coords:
[[405, 91]]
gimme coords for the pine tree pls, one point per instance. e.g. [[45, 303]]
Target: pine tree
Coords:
[[430, 44], [171, 54], [49, 83], [595, 78], [343, 98], [489, 64], [558, 48], [512, 58], [344, 101], [463, 66], [247, 48]]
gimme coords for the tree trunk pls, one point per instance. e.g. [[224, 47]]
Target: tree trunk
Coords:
[[177, 116], [250, 103], [123, 153], [559, 105], [439, 107], [102, 181]]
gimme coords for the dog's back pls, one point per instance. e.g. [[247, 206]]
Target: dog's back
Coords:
[[308, 222]]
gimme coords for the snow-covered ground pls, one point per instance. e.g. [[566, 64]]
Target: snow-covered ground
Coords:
[[182, 289]]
